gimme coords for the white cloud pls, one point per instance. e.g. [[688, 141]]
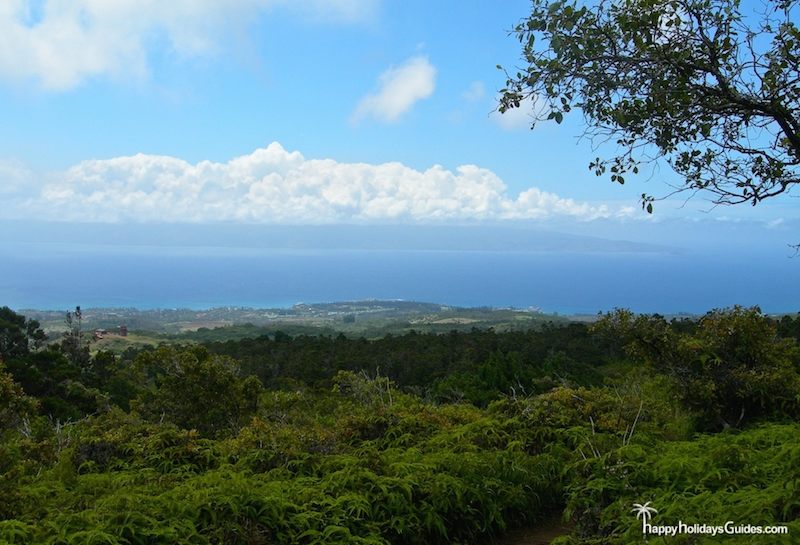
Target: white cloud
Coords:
[[60, 43], [272, 185], [516, 118], [15, 177], [776, 223], [399, 88], [475, 92]]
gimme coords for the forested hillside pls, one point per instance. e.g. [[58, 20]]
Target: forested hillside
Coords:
[[418, 438]]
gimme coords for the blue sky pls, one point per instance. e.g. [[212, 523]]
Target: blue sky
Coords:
[[306, 112]]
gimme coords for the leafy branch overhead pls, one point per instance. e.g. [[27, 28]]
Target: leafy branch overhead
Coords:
[[703, 84]]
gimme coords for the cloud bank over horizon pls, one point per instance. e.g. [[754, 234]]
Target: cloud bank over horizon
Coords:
[[274, 186]]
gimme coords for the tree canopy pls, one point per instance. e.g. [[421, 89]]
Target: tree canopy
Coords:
[[708, 86], [17, 334]]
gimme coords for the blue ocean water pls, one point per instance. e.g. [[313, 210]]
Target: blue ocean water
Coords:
[[62, 276]]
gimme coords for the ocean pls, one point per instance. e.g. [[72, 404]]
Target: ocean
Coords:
[[61, 276]]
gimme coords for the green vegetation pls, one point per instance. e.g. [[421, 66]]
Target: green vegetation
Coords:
[[371, 319], [407, 439]]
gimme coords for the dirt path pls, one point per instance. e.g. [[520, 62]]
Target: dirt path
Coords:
[[541, 534]]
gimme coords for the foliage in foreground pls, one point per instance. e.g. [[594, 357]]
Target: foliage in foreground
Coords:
[[186, 445], [752, 477], [311, 469]]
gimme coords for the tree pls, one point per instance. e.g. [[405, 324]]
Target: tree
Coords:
[[195, 390], [18, 336], [44, 372], [710, 88], [14, 404], [732, 369], [73, 343], [735, 368]]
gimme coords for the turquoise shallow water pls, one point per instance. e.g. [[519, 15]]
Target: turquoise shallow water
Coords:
[[61, 276]]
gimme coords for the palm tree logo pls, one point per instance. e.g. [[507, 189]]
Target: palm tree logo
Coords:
[[645, 512]]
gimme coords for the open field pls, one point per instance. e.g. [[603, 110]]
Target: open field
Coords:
[[370, 319]]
